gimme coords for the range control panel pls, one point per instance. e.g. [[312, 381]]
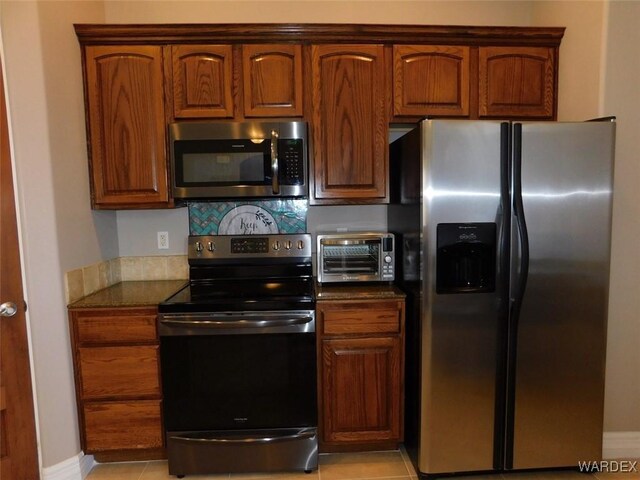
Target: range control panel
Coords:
[[221, 247]]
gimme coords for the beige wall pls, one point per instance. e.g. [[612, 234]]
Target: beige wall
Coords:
[[474, 12], [580, 53], [622, 98], [61, 233]]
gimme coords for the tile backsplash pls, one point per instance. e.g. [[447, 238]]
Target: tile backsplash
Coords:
[[87, 280], [247, 218]]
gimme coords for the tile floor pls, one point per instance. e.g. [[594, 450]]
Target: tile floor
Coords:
[[347, 466]]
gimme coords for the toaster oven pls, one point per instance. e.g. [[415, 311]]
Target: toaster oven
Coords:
[[355, 257]]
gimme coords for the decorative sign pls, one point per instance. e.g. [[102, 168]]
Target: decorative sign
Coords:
[[247, 218]]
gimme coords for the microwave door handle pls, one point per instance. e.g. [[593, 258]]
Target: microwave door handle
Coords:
[[274, 162]]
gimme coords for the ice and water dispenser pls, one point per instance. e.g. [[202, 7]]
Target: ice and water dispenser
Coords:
[[466, 258]]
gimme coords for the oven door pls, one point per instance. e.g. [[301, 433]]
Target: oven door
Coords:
[[238, 371]]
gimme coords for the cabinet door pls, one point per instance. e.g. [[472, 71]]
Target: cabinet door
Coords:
[[361, 389], [430, 80], [202, 81], [124, 92], [272, 80], [350, 124], [517, 82]]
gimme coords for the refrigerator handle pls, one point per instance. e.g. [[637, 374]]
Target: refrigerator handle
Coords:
[[504, 254], [518, 211], [518, 289]]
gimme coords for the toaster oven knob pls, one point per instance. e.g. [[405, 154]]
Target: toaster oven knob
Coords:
[[199, 247], [287, 244], [387, 259], [210, 246], [300, 244], [276, 245]]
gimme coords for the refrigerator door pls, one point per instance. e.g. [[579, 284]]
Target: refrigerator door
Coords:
[[461, 231], [561, 329]]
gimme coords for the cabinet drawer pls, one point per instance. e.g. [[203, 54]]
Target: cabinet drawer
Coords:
[[122, 425], [369, 317], [119, 371], [116, 329]]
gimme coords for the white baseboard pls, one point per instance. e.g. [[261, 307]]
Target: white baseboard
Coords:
[[620, 445], [74, 468]]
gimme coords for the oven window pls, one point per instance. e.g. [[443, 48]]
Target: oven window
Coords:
[[222, 162], [238, 381], [351, 258]]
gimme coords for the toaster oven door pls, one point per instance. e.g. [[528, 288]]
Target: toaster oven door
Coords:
[[350, 261]]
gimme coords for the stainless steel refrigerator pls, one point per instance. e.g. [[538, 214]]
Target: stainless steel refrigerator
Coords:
[[504, 236]]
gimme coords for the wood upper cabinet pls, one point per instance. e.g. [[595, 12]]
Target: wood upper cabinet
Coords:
[[117, 373], [202, 81], [517, 82], [349, 124], [361, 371], [430, 80], [272, 80], [126, 126], [347, 81]]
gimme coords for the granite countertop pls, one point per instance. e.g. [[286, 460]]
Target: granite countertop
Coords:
[[357, 291], [131, 294]]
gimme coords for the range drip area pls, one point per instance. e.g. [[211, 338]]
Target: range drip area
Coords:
[[238, 356]]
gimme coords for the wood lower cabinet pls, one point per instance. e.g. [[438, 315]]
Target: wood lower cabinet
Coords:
[[117, 373], [361, 371], [349, 124], [431, 80], [126, 126], [517, 82]]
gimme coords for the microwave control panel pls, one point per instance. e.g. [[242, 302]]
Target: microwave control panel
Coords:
[[291, 156]]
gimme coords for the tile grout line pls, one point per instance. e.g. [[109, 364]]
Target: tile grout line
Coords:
[[142, 472], [146, 464]]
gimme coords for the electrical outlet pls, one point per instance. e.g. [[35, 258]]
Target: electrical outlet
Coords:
[[163, 240]]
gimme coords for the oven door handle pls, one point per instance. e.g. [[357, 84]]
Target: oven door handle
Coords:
[[271, 439], [243, 321]]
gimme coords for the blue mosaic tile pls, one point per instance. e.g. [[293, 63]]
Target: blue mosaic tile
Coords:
[[289, 215]]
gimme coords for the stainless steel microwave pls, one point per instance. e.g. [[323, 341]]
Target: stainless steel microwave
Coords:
[[356, 257], [238, 159]]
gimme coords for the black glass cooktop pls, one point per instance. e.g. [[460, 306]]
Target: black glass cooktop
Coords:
[[242, 294]]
